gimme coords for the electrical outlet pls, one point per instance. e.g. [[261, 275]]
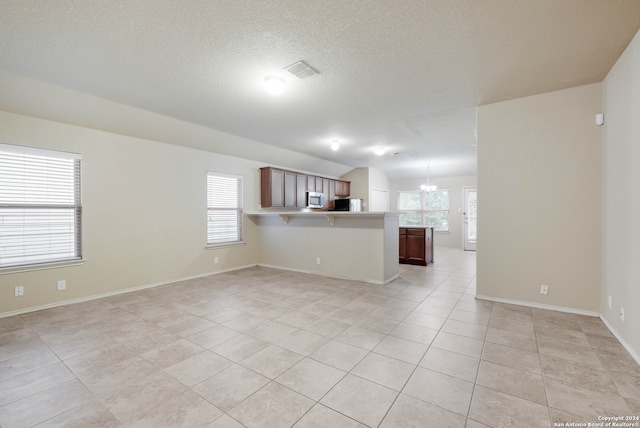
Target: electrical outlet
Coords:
[[621, 313], [317, 260], [19, 291], [544, 289], [215, 260], [62, 285], [610, 302]]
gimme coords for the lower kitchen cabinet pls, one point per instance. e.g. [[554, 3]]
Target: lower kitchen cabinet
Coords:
[[416, 245]]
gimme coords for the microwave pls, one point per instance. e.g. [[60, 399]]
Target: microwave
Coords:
[[348, 204], [315, 200]]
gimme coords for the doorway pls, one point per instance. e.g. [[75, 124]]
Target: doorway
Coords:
[[470, 215]]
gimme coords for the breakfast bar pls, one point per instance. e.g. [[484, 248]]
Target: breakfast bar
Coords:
[[359, 246]]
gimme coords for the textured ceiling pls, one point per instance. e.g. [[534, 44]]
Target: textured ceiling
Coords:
[[402, 74]]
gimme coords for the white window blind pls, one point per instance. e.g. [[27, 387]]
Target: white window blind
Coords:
[[224, 208], [40, 209]]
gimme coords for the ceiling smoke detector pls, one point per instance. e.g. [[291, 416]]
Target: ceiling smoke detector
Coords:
[[301, 70]]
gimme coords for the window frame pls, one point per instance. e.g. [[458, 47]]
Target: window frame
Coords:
[[58, 175], [423, 211], [237, 208]]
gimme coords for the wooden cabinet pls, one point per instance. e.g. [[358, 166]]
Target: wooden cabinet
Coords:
[[271, 187], [289, 189], [416, 245], [280, 188], [311, 183], [325, 192], [343, 188], [301, 190], [415, 253]]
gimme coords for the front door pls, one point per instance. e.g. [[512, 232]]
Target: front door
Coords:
[[470, 218]]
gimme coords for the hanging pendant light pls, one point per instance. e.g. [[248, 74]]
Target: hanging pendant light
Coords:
[[427, 187]]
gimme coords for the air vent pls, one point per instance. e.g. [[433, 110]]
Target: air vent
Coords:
[[301, 70]]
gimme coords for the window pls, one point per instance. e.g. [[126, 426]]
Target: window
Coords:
[[224, 208], [418, 208], [40, 210]]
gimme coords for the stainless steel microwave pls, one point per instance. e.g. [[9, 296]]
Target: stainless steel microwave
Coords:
[[315, 200]]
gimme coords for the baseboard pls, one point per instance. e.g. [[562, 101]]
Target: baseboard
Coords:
[[617, 335], [115, 293], [539, 306], [393, 278], [368, 281], [613, 331]]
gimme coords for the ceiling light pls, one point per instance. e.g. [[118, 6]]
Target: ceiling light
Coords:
[[274, 85], [335, 145], [427, 187], [379, 151]]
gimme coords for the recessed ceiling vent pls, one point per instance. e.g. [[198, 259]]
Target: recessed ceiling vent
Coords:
[[301, 70]]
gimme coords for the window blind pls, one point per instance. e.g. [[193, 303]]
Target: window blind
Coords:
[[40, 209], [224, 208]]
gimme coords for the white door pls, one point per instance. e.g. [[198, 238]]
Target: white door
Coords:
[[470, 218]]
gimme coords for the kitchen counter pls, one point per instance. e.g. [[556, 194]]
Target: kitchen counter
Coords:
[[360, 246], [330, 216]]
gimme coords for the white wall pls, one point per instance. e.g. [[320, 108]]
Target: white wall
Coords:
[[378, 191], [363, 180], [621, 202], [359, 179], [144, 220], [455, 185], [144, 182], [539, 162], [144, 213]]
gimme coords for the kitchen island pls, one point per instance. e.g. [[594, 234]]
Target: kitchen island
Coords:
[[359, 246], [416, 245]]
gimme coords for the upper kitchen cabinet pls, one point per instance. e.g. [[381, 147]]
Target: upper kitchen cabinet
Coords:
[[311, 183], [325, 192], [343, 188], [271, 187], [302, 187], [290, 186], [280, 188]]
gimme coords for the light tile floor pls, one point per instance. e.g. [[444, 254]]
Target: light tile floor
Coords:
[[267, 348]]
